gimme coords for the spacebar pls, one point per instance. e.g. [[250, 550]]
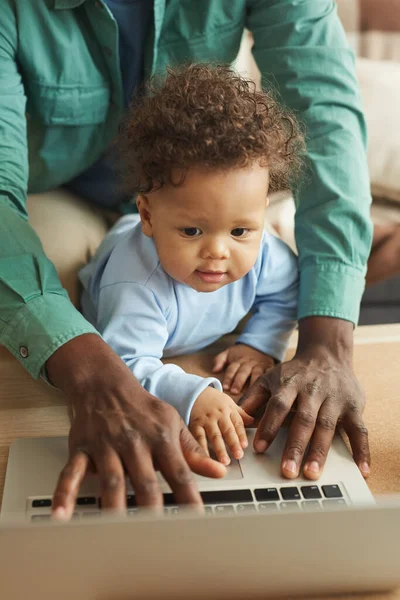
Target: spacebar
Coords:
[[226, 496]]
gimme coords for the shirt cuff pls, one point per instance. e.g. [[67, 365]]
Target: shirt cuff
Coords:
[[331, 290], [42, 326]]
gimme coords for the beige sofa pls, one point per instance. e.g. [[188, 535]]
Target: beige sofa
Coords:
[[373, 30]]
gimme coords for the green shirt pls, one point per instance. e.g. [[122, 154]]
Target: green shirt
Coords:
[[61, 99]]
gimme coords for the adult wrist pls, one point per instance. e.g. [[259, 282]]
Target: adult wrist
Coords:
[[326, 335], [74, 366]]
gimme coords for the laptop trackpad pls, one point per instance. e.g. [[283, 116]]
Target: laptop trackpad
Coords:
[[233, 473]]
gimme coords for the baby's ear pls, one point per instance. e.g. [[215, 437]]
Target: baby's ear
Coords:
[[143, 207]]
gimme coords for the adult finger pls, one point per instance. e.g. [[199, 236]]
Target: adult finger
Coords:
[[68, 485], [256, 396], [357, 433], [231, 437], [241, 376], [198, 461], [321, 440], [217, 443], [140, 468], [257, 371], [276, 411], [177, 473], [300, 432], [111, 479], [230, 374], [220, 361]]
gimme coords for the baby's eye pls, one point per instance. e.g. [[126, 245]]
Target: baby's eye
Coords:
[[239, 231], [192, 231]]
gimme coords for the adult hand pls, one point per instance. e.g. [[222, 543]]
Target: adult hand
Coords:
[[321, 379], [116, 423]]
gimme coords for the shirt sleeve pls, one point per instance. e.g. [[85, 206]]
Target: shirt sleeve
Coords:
[[274, 310], [301, 50], [36, 315], [131, 321]]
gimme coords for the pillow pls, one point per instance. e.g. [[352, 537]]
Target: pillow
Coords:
[[380, 90]]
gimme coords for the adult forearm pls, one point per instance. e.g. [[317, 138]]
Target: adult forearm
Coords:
[[335, 336]]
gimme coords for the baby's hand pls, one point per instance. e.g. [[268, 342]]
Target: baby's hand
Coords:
[[242, 362], [216, 417]]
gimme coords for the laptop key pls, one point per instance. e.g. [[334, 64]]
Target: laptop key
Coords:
[[174, 510], [267, 495], [311, 505], [91, 513], [289, 506], [225, 508], [332, 491], [208, 510], [169, 500], [268, 507], [334, 503], [86, 501], [246, 508], [311, 492], [41, 503], [290, 493], [227, 496], [132, 512], [40, 517]]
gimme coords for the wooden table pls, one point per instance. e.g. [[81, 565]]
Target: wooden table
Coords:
[[30, 408]]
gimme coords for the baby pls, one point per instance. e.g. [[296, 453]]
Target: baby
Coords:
[[200, 150]]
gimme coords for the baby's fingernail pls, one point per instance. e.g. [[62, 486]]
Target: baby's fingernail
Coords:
[[261, 446], [235, 390], [225, 460], [238, 454], [225, 386]]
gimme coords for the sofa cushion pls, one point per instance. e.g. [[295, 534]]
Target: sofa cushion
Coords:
[[380, 89]]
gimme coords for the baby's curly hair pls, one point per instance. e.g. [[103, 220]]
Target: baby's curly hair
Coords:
[[207, 115]]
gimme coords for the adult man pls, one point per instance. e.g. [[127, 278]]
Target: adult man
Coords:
[[75, 64]]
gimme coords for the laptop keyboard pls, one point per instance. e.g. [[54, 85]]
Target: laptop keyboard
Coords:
[[235, 501]]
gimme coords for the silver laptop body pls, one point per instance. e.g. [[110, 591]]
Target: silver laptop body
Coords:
[[251, 542]]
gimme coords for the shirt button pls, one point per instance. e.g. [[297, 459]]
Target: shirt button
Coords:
[[23, 351]]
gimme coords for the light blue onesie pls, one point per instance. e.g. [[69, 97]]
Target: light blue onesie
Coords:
[[144, 314]]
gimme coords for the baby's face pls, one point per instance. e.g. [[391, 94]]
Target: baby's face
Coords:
[[207, 230]]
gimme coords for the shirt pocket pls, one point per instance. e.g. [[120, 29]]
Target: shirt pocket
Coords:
[[68, 106]]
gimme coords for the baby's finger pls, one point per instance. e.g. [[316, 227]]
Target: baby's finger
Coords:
[[257, 371], [241, 377], [230, 374], [220, 361], [217, 443], [200, 436], [240, 430], [231, 437]]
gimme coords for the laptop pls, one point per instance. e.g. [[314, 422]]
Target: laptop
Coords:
[[253, 484], [261, 536]]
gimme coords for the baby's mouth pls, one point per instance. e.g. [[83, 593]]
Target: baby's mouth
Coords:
[[211, 276]]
